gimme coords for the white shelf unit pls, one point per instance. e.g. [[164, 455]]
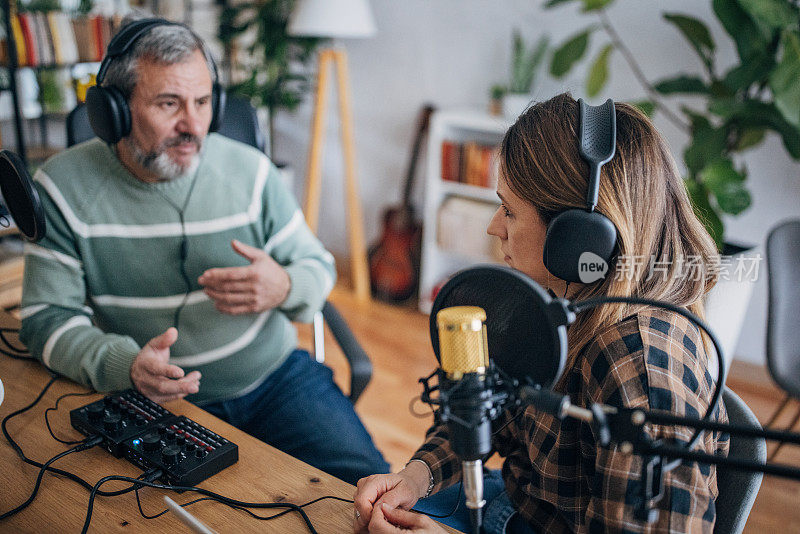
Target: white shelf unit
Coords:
[[459, 126]]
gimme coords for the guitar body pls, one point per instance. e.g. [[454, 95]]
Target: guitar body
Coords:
[[394, 260]]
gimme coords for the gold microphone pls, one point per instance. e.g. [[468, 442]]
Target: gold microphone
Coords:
[[464, 354], [462, 341]]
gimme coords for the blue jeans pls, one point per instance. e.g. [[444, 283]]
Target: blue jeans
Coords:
[[499, 514], [301, 411]]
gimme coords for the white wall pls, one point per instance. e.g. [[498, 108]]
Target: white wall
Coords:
[[450, 52]]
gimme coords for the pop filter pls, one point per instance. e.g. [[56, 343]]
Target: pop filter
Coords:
[[20, 196], [525, 339]]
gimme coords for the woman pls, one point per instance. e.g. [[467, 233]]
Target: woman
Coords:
[[555, 476]]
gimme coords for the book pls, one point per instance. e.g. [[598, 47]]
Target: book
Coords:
[[470, 163], [31, 54], [461, 228], [19, 41]]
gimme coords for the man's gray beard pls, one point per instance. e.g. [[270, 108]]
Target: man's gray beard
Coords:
[[159, 163]]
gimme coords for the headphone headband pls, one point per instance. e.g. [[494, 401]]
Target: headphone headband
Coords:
[[130, 33]]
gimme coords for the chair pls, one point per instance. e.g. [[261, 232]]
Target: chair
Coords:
[[783, 325], [240, 122], [738, 489]]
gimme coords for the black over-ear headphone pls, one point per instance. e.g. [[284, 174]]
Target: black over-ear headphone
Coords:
[[107, 107], [577, 239]]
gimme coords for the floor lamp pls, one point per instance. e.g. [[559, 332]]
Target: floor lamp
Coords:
[[335, 19]]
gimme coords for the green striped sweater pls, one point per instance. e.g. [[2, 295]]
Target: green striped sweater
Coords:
[[106, 278]]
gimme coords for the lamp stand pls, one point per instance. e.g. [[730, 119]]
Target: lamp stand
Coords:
[[359, 272]]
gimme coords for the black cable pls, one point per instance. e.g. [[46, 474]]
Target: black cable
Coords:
[[578, 307], [202, 491], [85, 444], [21, 454], [18, 356], [234, 506], [55, 408], [8, 344]]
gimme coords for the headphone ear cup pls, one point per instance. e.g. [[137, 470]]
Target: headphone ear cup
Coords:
[[218, 97], [579, 246], [108, 113]]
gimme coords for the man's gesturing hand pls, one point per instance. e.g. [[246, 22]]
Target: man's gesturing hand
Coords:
[[155, 378], [255, 288]]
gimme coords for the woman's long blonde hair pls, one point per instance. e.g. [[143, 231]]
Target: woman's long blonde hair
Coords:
[[641, 192]]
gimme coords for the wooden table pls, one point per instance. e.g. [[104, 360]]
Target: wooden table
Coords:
[[262, 474]]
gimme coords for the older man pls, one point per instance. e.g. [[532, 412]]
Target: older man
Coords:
[[175, 260]]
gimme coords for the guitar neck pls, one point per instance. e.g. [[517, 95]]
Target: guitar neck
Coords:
[[422, 128]]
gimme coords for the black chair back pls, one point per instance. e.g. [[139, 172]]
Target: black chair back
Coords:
[[783, 321], [738, 489]]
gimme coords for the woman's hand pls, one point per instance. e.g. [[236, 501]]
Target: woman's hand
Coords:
[[388, 520], [402, 489]]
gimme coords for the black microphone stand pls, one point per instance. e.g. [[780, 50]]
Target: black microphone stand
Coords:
[[626, 427]]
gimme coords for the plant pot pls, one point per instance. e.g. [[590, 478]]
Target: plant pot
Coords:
[[515, 103], [726, 304]]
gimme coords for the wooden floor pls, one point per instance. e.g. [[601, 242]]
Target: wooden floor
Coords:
[[398, 343]]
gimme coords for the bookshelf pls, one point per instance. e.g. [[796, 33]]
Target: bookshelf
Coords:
[[55, 45], [472, 205]]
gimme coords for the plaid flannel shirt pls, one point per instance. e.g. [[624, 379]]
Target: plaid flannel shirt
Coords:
[[559, 477]]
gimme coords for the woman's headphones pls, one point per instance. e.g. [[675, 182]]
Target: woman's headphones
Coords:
[[107, 107], [580, 244]]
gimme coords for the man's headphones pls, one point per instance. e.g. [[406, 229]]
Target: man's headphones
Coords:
[[580, 244], [107, 107]]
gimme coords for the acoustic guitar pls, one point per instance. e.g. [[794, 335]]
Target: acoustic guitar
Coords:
[[394, 259]]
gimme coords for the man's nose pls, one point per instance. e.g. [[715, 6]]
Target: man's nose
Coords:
[[192, 122]]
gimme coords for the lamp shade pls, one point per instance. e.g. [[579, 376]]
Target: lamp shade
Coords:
[[332, 18]]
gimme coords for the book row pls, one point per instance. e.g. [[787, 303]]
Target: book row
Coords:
[[55, 38], [470, 163]]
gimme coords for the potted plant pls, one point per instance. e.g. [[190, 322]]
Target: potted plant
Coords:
[[740, 104], [275, 64], [524, 63]]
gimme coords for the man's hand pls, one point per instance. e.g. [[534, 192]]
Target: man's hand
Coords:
[[256, 288], [155, 378]]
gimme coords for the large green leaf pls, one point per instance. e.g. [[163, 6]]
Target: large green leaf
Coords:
[[681, 84], [598, 74], [727, 186], [699, 196], [750, 137], [566, 55], [750, 39], [595, 5], [755, 70], [696, 32], [775, 14], [707, 144], [785, 79], [646, 106], [757, 114], [554, 3]]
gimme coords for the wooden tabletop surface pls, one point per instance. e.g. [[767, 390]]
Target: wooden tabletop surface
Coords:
[[262, 474]]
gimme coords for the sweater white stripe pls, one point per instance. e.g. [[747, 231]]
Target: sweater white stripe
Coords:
[[78, 320], [134, 231], [286, 232], [326, 278], [150, 303], [30, 311], [226, 350], [49, 254]]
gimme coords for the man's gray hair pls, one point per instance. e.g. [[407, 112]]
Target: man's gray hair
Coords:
[[166, 44]]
